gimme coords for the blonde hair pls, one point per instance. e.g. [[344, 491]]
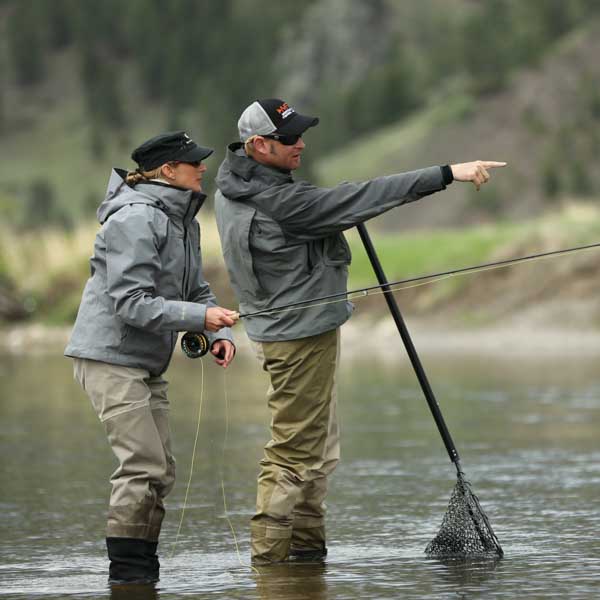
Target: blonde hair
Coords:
[[134, 177]]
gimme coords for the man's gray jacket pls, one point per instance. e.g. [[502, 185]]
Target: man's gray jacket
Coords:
[[146, 279], [282, 240]]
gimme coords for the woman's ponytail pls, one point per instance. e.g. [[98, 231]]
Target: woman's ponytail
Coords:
[[134, 177]]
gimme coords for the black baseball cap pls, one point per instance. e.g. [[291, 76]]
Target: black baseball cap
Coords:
[[170, 146], [272, 115]]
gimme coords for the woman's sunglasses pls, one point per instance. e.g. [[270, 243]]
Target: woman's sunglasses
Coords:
[[194, 163]]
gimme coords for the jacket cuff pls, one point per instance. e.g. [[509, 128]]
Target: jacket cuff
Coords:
[[217, 338], [222, 334], [447, 174], [186, 316]]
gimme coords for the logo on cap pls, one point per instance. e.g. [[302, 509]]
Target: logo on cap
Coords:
[[285, 110]]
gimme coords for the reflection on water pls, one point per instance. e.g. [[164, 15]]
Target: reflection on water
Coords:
[[527, 432], [134, 592], [292, 582], [463, 571]]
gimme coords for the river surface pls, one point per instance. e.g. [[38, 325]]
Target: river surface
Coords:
[[528, 432]]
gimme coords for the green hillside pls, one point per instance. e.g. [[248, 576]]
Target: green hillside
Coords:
[[397, 85], [545, 123]]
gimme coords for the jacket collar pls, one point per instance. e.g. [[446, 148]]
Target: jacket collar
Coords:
[[176, 202], [247, 168], [240, 177]]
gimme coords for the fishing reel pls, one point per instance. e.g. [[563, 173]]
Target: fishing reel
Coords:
[[194, 345]]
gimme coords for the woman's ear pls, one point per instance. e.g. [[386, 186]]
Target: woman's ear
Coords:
[[167, 171]]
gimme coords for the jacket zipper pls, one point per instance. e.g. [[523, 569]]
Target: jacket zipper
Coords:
[[186, 254], [183, 283]]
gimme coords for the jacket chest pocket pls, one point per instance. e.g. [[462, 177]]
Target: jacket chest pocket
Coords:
[[240, 254], [336, 252], [173, 267]]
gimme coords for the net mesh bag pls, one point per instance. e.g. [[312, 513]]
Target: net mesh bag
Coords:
[[465, 529]]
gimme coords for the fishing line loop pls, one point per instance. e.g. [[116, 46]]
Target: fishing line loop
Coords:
[[224, 449], [225, 510], [189, 483]]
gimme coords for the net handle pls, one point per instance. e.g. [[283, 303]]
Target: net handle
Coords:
[[408, 344]]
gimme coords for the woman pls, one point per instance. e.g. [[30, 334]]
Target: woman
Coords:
[[146, 285]]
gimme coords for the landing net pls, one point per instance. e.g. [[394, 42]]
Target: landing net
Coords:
[[465, 531]]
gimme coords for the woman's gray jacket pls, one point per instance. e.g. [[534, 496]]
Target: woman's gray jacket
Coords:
[[146, 279], [282, 240]]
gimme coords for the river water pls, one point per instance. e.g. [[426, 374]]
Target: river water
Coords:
[[527, 431]]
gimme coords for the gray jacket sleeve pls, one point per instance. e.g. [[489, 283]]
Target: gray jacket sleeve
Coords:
[[132, 238], [307, 212], [201, 293]]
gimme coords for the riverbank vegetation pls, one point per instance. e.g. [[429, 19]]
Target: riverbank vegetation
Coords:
[[43, 273]]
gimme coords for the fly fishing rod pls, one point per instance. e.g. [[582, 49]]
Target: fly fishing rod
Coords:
[[465, 530], [195, 344], [365, 290]]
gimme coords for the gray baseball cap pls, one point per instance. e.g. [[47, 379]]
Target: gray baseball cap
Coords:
[[270, 116]]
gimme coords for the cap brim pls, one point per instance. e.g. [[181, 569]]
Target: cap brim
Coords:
[[297, 125], [197, 153]]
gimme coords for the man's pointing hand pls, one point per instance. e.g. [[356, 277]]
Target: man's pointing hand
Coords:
[[476, 171]]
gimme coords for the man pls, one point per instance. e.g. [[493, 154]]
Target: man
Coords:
[[282, 242]]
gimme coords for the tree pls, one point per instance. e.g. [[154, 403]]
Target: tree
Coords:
[[2, 105], [487, 49], [41, 208], [25, 40]]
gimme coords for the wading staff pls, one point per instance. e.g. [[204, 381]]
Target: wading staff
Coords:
[[465, 530]]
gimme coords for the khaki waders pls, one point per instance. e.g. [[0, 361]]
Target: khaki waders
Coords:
[[304, 449], [134, 409]]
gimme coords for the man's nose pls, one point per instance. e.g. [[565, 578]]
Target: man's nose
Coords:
[[300, 144]]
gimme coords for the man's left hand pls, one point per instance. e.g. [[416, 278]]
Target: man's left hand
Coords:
[[224, 350]]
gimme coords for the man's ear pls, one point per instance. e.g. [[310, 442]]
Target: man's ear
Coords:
[[260, 145]]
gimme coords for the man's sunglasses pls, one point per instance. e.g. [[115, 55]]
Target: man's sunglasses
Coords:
[[286, 140]]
